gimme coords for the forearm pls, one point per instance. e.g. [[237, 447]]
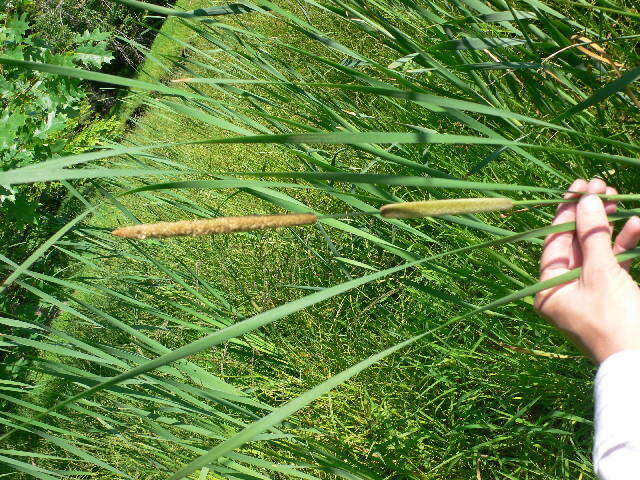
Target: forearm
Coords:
[[616, 452]]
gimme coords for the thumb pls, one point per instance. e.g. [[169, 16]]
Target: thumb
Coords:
[[594, 235]]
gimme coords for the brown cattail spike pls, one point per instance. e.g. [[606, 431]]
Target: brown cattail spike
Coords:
[[214, 225], [456, 206]]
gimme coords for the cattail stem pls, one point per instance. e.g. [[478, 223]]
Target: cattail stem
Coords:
[[349, 214], [214, 225], [522, 203], [618, 197]]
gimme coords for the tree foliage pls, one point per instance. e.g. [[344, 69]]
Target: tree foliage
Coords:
[[39, 111]]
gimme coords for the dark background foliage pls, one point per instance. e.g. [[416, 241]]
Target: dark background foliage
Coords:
[[57, 31]]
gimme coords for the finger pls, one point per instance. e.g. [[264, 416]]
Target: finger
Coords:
[[594, 235], [610, 206], [627, 239], [599, 187], [557, 254], [596, 185], [576, 250]]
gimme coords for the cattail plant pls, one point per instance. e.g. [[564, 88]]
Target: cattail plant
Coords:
[[455, 206], [428, 208]]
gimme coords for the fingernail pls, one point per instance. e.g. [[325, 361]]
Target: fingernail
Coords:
[[591, 203]]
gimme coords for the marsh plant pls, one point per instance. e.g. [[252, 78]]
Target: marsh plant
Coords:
[[362, 104]]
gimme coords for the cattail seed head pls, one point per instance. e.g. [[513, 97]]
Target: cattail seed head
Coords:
[[434, 208], [214, 225]]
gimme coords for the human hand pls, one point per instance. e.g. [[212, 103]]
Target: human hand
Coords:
[[600, 310]]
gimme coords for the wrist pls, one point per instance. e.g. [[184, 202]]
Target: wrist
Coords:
[[621, 349]]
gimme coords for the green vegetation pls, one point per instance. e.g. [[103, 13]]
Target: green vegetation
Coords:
[[41, 115], [38, 108], [202, 357], [156, 66], [57, 22]]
